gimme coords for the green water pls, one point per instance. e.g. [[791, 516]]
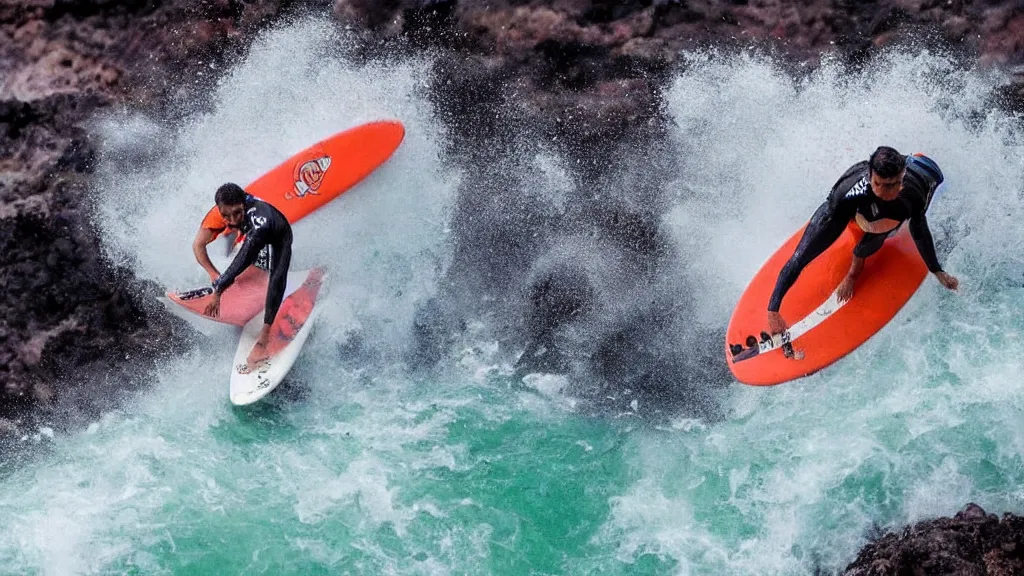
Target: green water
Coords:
[[470, 478], [372, 474]]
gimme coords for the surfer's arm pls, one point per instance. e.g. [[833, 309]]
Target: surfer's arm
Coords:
[[246, 257], [923, 238], [203, 238]]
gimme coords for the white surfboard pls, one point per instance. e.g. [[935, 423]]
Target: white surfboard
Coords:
[[289, 332]]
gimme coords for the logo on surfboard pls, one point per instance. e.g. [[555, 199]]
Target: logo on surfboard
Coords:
[[308, 177]]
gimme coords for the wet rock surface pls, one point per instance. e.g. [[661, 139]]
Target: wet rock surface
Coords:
[[972, 542]]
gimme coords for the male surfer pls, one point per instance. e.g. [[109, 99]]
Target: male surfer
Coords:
[[263, 226], [879, 194]]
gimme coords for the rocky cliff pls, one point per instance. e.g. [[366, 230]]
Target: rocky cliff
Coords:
[[68, 318]]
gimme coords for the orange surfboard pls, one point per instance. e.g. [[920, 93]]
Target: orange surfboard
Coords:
[[298, 187], [821, 329], [310, 179]]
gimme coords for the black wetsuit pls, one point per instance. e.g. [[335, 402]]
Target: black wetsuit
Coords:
[[852, 196], [263, 225]]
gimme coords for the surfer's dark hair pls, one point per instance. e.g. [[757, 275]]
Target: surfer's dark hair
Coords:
[[887, 162], [230, 194]]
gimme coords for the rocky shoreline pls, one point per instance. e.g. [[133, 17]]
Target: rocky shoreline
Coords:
[[971, 542], [521, 67], [69, 318]]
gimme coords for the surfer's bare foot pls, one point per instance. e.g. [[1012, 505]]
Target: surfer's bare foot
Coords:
[[776, 325], [845, 290], [252, 363], [257, 355], [259, 349]]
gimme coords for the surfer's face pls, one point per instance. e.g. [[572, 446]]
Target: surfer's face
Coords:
[[232, 214], [886, 188]]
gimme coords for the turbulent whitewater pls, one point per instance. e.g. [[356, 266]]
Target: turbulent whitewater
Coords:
[[362, 464]]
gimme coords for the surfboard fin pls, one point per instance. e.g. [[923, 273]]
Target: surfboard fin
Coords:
[[197, 293], [742, 352]]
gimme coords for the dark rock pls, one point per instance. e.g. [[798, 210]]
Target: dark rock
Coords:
[[972, 542]]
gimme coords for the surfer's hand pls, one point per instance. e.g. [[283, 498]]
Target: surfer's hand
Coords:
[[776, 325], [213, 308], [845, 290], [947, 280]]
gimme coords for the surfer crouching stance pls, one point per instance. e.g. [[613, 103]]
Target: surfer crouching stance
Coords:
[[879, 194], [263, 226]]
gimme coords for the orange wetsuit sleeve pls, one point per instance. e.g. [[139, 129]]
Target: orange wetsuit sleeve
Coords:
[[215, 222]]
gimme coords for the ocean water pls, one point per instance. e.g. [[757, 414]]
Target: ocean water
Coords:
[[358, 466]]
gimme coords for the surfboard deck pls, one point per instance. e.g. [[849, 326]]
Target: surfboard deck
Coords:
[[821, 329], [288, 333], [240, 302]]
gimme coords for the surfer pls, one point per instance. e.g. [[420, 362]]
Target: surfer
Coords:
[[879, 194], [263, 227]]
